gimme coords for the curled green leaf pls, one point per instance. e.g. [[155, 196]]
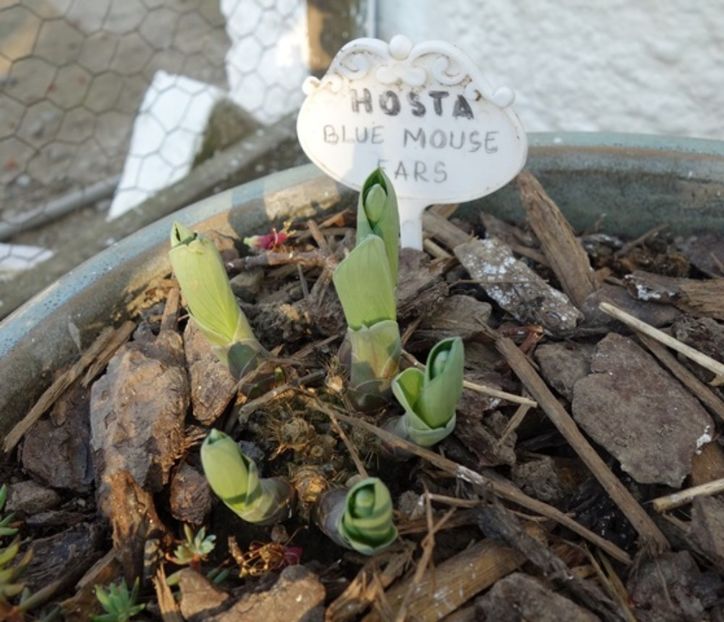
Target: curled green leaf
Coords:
[[377, 214], [359, 518], [430, 397], [200, 272], [234, 478]]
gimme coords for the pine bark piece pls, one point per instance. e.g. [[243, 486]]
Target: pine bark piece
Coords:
[[456, 316], [443, 230], [699, 297], [453, 582], [517, 288], [640, 414], [56, 450], [564, 252], [137, 412], [212, 385], [564, 364], [190, 495], [521, 597], [565, 424]]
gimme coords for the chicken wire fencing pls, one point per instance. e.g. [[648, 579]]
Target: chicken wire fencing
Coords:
[[104, 103]]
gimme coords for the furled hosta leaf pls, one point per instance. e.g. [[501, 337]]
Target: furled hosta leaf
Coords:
[[235, 479], [364, 285], [430, 397], [360, 518], [377, 214], [200, 272]]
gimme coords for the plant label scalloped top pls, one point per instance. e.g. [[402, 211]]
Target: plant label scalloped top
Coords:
[[423, 113]]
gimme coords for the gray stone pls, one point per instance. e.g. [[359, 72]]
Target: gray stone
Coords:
[[247, 284], [707, 526], [564, 364], [27, 498], [190, 495], [520, 597], [639, 413], [649, 312]]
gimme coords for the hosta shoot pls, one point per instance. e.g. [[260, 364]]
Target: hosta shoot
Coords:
[[235, 479], [430, 397], [200, 272]]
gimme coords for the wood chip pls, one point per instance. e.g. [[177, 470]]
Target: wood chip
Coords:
[[562, 249]]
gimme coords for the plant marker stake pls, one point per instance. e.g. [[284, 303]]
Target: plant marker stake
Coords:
[[423, 113]]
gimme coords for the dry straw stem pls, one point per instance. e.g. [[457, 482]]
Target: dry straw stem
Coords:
[[564, 252], [498, 486], [705, 395], [705, 361], [482, 388], [620, 495], [100, 347], [670, 502]]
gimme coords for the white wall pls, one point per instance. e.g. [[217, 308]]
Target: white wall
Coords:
[[651, 66]]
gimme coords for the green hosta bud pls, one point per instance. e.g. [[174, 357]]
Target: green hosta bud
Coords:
[[377, 215], [235, 479], [430, 397], [367, 293], [359, 518], [204, 284]]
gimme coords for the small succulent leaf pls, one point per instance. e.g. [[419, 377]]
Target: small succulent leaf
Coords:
[[443, 384], [234, 478], [366, 523], [8, 553], [364, 285], [3, 495]]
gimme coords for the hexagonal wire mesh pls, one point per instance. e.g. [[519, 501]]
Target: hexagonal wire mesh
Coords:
[[75, 75]]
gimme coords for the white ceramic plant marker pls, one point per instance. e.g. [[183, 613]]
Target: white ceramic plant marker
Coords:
[[423, 113]]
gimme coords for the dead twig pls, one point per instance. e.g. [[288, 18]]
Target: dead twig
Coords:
[[677, 499], [497, 486], [705, 361], [620, 495], [120, 337]]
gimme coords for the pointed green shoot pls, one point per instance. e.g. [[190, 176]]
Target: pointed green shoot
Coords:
[[377, 214], [234, 478], [200, 272], [364, 285], [366, 522], [430, 397]]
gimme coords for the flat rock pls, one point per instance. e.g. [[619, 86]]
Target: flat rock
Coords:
[[639, 413], [190, 495], [671, 588], [520, 597], [650, 312], [247, 284], [212, 385], [516, 287], [28, 498], [564, 364], [707, 526], [56, 450], [703, 334], [137, 412]]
